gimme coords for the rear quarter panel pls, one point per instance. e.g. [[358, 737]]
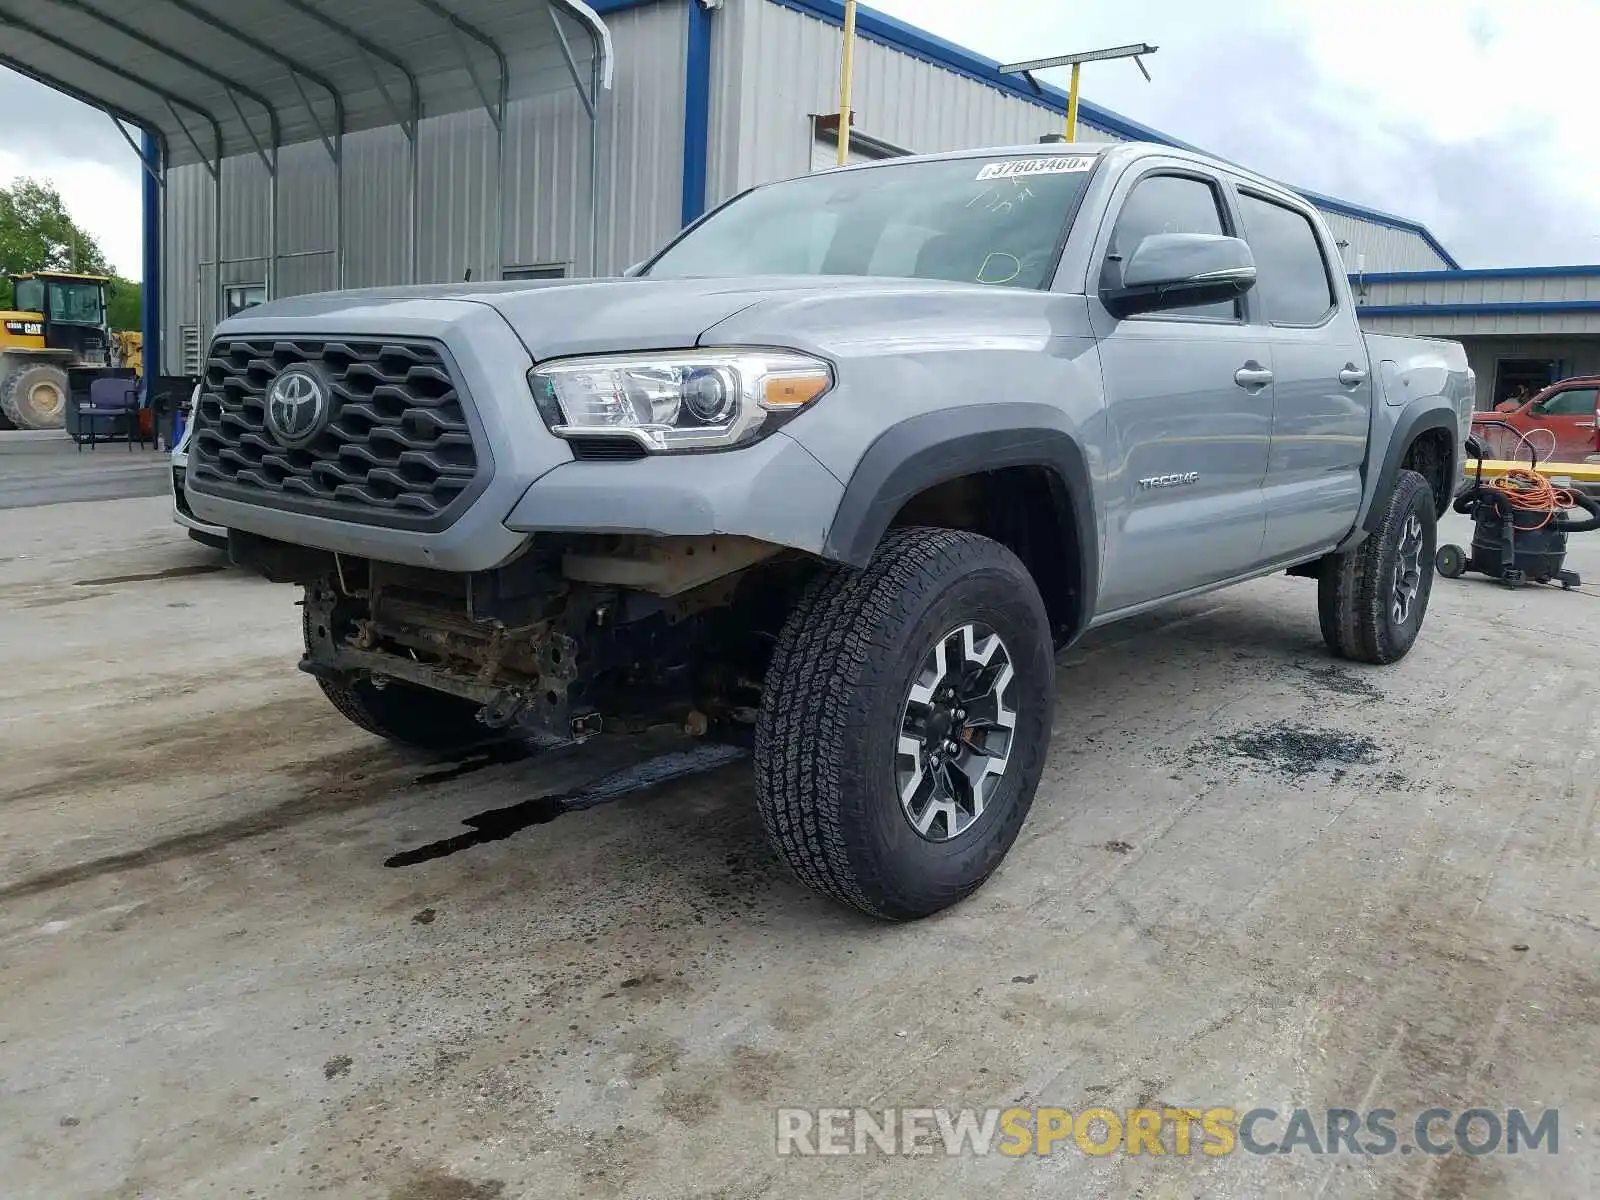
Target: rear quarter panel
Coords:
[[1418, 383]]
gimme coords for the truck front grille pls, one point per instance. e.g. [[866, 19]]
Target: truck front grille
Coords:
[[394, 446]]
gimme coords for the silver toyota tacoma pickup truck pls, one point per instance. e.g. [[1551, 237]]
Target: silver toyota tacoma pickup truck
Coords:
[[839, 470]]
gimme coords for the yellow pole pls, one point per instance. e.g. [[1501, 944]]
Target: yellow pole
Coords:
[[846, 74], [1072, 105]]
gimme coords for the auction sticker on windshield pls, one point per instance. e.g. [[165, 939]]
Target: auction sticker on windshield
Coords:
[[1018, 168]]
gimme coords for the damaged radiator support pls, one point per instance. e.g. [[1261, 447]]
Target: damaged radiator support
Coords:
[[520, 676]]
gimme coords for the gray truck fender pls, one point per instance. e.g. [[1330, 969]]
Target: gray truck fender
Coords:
[[1422, 414], [933, 448]]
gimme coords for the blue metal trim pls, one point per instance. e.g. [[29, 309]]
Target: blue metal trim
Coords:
[[696, 111], [150, 293], [1507, 308], [1478, 273]]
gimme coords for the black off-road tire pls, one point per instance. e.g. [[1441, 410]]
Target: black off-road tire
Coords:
[[1356, 589], [832, 709], [407, 714], [20, 392]]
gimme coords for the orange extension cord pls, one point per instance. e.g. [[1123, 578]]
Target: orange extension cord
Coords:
[[1530, 491]]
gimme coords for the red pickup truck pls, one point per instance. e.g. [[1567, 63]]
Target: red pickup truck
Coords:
[[1559, 423]]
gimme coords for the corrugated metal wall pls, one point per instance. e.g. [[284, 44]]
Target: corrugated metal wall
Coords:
[[539, 199], [1473, 288], [1453, 325], [773, 68], [1381, 247]]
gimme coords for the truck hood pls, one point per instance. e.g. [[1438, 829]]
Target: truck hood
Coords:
[[554, 318]]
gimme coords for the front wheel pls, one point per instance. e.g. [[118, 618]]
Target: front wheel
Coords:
[[904, 723], [1372, 599]]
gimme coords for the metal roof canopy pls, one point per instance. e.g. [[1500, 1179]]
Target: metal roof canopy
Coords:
[[209, 79]]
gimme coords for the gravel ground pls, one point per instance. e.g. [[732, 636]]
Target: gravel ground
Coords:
[[247, 950]]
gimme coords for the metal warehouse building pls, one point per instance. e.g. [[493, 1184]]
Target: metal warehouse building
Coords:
[[294, 146]]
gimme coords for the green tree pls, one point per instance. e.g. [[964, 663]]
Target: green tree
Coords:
[[37, 233], [123, 309]]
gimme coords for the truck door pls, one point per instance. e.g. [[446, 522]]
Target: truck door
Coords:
[[1568, 412], [1322, 404], [1188, 407]]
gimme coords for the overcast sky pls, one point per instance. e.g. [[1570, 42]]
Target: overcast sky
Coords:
[[1474, 117]]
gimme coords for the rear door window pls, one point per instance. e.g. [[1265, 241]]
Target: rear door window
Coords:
[[1292, 282]]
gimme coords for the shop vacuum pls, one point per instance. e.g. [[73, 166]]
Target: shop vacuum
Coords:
[[1520, 525]]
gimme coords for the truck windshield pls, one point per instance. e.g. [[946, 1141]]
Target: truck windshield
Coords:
[[76, 304], [970, 220]]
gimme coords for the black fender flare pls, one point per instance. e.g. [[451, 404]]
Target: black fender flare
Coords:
[[1421, 415], [933, 448]]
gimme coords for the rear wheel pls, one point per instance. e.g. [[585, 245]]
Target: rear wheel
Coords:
[[904, 723], [34, 396], [404, 713], [1372, 599]]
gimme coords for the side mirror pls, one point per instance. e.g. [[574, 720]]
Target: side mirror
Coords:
[[633, 270], [1177, 270]]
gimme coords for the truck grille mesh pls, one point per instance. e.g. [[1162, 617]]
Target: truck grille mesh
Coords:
[[396, 448]]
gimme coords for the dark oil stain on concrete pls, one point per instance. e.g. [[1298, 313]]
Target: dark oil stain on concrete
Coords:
[[497, 824], [425, 917], [489, 756], [55, 601], [1118, 847], [1292, 751], [1334, 679], [336, 1066], [429, 1184], [148, 576]]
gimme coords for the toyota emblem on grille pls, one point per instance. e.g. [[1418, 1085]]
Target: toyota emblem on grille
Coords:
[[297, 406]]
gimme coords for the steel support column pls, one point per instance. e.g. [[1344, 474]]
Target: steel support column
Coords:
[[154, 207]]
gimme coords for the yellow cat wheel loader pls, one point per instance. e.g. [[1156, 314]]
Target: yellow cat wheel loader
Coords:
[[57, 320]]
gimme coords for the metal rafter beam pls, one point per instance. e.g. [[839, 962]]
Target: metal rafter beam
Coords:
[[233, 89], [297, 71], [172, 100], [372, 50], [589, 101], [464, 28]]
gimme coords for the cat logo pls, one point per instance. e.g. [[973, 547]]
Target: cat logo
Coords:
[[25, 328], [1166, 481]]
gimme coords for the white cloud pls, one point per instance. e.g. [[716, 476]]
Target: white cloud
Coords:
[[103, 198]]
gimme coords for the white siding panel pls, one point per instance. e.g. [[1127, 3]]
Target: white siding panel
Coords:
[[1449, 325], [1502, 289]]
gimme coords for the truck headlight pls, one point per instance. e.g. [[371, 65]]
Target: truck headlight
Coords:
[[678, 400]]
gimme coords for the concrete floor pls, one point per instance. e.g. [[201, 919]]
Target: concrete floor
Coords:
[[49, 468], [213, 984]]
